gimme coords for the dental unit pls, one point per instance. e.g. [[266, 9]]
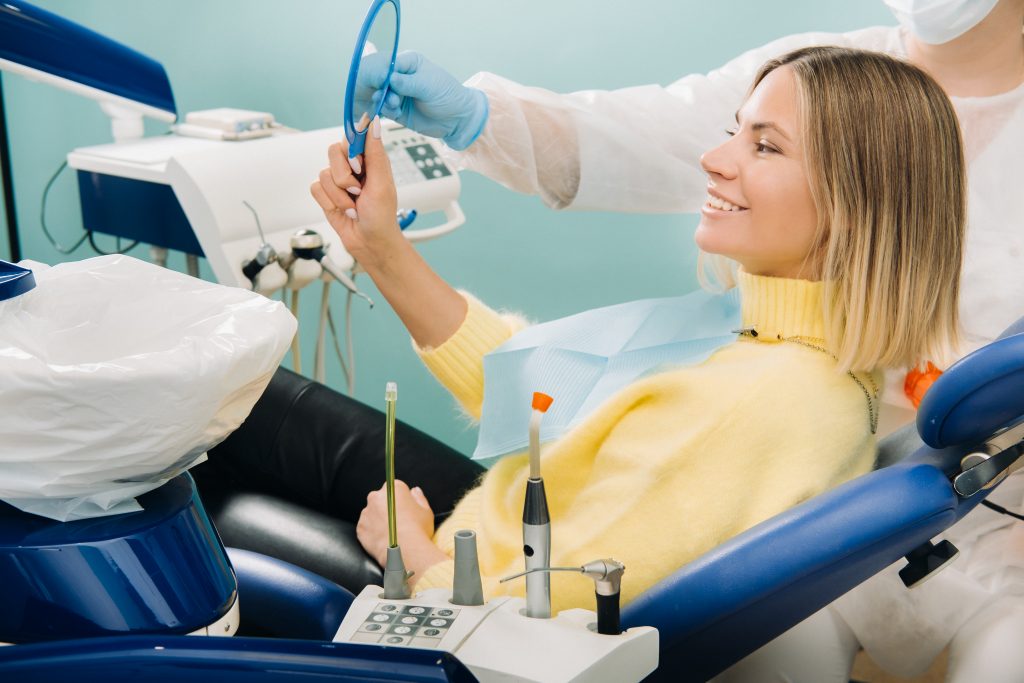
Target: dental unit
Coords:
[[505, 638]]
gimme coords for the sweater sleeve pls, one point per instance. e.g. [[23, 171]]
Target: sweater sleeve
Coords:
[[458, 363], [440, 575]]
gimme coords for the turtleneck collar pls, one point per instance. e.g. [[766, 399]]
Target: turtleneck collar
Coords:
[[778, 307]]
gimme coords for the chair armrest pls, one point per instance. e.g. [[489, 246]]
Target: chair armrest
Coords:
[[285, 600], [174, 659], [740, 595]]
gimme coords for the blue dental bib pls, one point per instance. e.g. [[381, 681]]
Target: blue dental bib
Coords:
[[584, 359]]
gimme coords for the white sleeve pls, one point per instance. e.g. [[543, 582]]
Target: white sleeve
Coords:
[[635, 149]]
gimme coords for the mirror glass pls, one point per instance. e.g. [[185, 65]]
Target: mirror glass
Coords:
[[372, 65]]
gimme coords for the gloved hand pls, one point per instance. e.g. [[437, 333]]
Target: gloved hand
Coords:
[[424, 97]]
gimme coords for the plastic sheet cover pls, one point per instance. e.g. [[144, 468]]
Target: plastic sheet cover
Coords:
[[117, 375]]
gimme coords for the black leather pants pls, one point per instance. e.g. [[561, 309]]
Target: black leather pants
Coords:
[[292, 480]]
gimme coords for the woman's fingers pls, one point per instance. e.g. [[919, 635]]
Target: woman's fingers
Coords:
[[421, 498], [317, 190], [341, 169], [341, 199], [332, 200]]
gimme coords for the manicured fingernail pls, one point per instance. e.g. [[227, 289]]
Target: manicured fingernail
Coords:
[[375, 127], [354, 163], [354, 190], [351, 213]]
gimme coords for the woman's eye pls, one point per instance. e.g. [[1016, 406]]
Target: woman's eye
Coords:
[[730, 131], [763, 147]]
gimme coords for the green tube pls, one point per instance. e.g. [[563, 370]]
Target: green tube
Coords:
[[390, 398]]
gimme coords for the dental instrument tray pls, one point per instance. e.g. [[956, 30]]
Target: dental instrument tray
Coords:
[[498, 642]]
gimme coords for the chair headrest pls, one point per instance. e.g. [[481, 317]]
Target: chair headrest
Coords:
[[978, 395]]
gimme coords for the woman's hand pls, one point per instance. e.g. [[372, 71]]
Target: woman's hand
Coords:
[[365, 217], [414, 524], [363, 214]]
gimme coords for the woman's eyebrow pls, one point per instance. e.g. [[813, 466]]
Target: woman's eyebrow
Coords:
[[762, 125]]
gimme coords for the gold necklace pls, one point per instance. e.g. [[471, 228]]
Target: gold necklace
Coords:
[[819, 345]]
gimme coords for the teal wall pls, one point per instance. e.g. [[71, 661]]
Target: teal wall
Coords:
[[290, 58]]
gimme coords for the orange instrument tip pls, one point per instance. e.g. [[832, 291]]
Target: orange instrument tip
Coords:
[[541, 401]]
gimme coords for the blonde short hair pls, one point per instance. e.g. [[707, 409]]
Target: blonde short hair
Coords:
[[886, 169]]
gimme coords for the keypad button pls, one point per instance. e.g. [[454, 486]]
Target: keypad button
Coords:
[[394, 639], [438, 622], [373, 627], [381, 617], [410, 620], [388, 608], [444, 612], [417, 610], [402, 630], [431, 632]]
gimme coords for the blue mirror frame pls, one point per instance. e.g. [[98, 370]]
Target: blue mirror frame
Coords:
[[356, 139]]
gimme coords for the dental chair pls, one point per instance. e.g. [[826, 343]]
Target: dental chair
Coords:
[[710, 614]]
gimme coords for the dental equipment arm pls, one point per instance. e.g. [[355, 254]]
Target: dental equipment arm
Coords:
[[46, 47]]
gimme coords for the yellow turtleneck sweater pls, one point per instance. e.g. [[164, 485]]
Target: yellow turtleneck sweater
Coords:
[[674, 464]]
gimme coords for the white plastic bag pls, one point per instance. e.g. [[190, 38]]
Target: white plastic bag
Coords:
[[118, 375]]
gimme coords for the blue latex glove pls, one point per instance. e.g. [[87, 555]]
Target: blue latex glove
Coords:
[[425, 98]]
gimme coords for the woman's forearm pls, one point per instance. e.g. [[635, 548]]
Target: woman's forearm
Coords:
[[427, 305]]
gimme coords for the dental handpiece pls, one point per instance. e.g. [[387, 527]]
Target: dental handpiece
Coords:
[[309, 244], [537, 522], [607, 576]]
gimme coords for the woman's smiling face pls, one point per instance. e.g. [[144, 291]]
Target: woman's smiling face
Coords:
[[759, 210]]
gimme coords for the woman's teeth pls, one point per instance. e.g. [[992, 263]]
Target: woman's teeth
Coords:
[[717, 203]]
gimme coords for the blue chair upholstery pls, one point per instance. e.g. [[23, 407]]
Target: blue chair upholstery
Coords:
[[727, 603], [160, 570], [287, 601], [176, 659]]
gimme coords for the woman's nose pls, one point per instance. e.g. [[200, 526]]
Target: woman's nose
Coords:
[[717, 161]]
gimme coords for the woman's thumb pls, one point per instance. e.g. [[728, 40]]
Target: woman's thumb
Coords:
[[377, 163], [420, 497]]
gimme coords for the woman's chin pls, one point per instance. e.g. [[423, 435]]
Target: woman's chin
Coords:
[[709, 240]]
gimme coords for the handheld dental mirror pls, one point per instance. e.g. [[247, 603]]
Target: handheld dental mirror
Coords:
[[375, 51]]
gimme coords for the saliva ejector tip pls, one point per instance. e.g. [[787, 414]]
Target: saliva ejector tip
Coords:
[[541, 401], [391, 391]]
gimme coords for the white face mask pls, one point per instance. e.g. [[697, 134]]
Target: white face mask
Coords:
[[939, 21]]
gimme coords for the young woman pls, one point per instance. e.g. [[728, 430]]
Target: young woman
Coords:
[[840, 201]]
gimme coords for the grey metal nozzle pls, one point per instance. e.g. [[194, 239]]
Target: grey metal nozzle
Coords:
[[467, 588], [607, 575], [396, 578]]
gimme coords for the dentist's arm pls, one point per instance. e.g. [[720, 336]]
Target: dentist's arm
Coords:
[[364, 216]]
